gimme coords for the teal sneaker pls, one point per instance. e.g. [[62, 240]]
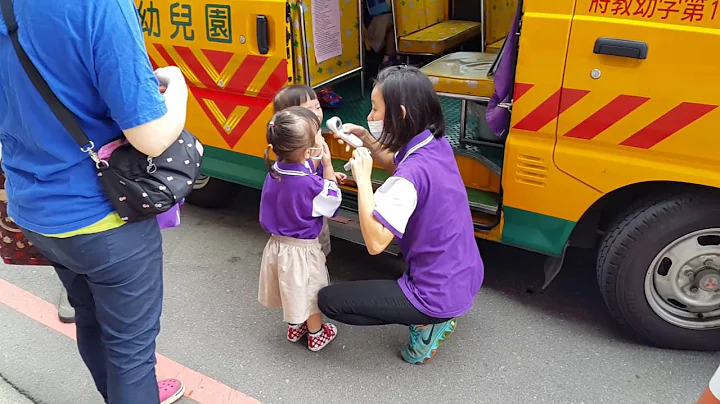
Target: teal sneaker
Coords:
[[425, 341]]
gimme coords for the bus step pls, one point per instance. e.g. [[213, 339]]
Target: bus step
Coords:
[[346, 226]]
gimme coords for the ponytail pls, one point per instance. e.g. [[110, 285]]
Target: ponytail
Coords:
[[269, 165], [270, 135]]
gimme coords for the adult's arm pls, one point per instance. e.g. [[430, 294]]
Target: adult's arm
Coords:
[[382, 156], [151, 121], [384, 214]]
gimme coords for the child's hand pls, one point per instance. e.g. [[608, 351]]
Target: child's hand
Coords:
[[326, 156], [340, 178], [362, 164]]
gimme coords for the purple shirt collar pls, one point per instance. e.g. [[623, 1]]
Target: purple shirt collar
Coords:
[[296, 169], [420, 140]]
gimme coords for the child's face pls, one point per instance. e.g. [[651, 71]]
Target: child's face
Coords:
[[378, 105], [314, 106], [316, 151]]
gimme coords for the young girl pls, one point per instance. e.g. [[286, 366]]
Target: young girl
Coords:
[[303, 96], [294, 200]]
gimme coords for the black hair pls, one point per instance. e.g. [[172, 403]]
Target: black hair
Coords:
[[293, 96], [289, 131], [409, 87]]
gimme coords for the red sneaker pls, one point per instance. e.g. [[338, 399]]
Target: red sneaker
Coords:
[[316, 343], [296, 332]]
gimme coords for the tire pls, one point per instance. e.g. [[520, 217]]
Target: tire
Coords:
[[212, 193], [628, 283]]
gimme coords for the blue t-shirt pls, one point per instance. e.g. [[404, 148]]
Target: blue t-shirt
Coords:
[[92, 55]]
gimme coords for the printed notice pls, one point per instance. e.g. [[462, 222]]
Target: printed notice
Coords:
[[327, 38]]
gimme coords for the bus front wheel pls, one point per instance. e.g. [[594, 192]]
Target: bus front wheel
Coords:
[[659, 271]]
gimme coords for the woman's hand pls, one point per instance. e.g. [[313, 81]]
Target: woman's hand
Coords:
[[362, 164], [353, 129]]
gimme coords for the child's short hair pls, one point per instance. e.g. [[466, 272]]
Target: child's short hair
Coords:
[[409, 87], [293, 96], [289, 131]]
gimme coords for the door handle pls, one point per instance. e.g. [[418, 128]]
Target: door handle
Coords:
[[621, 47], [263, 35]]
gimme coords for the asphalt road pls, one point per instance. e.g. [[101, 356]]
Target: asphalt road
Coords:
[[518, 345]]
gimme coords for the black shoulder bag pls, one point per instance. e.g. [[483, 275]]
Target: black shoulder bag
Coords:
[[138, 186]]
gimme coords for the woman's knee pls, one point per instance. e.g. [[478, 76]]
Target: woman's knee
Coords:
[[327, 302]]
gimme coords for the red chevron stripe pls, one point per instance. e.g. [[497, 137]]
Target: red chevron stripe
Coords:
[[275, 82], [227, 101], [550, 109], [218, 59], [521, 89], [195, 66], [606, 116], [165, 55], [249, 68], [668, 124]]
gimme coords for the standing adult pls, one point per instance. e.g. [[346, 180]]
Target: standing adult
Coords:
[[424, 205], [92, 55]]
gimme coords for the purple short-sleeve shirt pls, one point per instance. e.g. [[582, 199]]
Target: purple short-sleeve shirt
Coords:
[[425, 205], [294, 205]]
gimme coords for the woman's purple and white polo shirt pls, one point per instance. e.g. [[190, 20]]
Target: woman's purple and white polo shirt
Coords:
[[425, 205], [294, 205]]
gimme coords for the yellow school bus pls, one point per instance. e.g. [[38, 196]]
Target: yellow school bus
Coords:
[[612, 145]]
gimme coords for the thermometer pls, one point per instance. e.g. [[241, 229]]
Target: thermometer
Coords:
[[335, 125]]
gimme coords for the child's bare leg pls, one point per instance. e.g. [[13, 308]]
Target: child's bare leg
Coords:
[[314, 323], [320, 334]]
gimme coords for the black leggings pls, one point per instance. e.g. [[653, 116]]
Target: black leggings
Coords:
[[376, 302]]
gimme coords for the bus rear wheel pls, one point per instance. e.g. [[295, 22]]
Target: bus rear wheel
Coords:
[[212, 193], [659, 271]]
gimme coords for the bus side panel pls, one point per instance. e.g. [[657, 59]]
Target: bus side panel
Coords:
[[643, 119], [231, 81], [542, 204]]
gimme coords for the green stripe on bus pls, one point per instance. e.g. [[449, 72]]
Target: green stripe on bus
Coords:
[[535, 231]]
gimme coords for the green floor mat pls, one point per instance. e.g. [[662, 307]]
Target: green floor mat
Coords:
[[355, 109]]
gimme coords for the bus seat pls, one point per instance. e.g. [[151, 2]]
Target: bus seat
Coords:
[[423, 27], [496, 46], [499, 17], [462, 74], [439, 38]]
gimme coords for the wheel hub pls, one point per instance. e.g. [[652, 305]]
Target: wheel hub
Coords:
[[682, 285], [708, 280]]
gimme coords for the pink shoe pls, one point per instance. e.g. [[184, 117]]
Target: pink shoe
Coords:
[[171, 390]]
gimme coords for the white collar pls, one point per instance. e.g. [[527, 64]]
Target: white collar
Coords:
[[289, 172]]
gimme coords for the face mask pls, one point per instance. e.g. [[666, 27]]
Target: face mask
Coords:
[[316, 149], [376, 128]]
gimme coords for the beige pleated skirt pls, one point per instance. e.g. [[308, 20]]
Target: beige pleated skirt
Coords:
[[325, 237], [292, 272]]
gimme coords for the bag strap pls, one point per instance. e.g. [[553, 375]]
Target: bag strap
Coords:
[[66, 118]]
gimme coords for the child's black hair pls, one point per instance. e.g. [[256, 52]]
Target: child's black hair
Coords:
[[409, 87], [293, 96], [289, 131]]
